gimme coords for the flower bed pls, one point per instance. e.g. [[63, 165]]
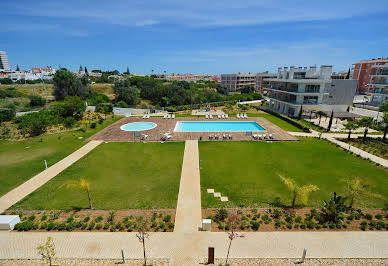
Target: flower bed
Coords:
[[276, 219], [94, 220], [374, 146]]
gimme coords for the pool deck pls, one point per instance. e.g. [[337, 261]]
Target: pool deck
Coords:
[[114, 133]]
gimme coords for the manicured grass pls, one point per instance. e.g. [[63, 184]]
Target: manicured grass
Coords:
[[21, 160], [247, 172], [122, 176], [273, 119]]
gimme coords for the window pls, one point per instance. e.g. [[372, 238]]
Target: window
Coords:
[[310, 99], [312, 88]]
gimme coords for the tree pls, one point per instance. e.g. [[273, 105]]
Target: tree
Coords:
[[356, 188], [384, 108], [8, 112], [142, 235], [67, 84], [105, 108], [127, 71], [366, 122], [83, 184], [74, 107], [17, 68], [320, 113], [351, 125], [247, 89], [80, 69], [330, 121], [385, 124], [86, 71], [47, 250], [303, 192], [232, 234], [125, 92], [34, 123]]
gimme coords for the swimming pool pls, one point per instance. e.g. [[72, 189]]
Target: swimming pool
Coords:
[[217, 126], [138, 126]]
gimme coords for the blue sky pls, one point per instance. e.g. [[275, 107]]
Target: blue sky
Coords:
[[192, 36]]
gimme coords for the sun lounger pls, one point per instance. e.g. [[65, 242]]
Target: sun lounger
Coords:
[[224, 137], [259, 136], [173, 116], [165, 116], [216, 137], [255, 136], [206, 116], [230, 136], [245, 116], [238, 115], [144, 116], [211, 116], [270, 136], [264, 136], [144, 136], [168, 116]]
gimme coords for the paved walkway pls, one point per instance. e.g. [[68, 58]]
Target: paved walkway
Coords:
[[40, 179], [106, 245], [188, 212], [332, 137]]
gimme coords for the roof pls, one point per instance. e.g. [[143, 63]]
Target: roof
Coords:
[[378, 60]]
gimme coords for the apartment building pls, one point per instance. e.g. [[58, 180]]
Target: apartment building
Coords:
[[4, 63], [362, 72], [310, 89], [378, 84], [234, 82], [261, 82]]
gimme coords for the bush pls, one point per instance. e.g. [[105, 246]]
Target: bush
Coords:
[[7, 114], [91, 226], [302, 226], [221, 215], [35, 123], [122, 104], [368, 216], [379, 216], [255, 226], [298, 219], [167, 218], [98, 226], [380, 225], [106, 226], [69, 122], [119, 226], [70, 219], [98, 219], [93, 125], [36, 100], [171, 225]]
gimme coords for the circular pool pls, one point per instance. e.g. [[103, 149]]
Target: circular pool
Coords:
[[138, 126]]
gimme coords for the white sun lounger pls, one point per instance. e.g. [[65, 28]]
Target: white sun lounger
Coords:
[[219, 117], [165, 116], [210, 116], [226, 116], [168, 116], [206, 116], [173, 116], [270, 136], [245, 116], [238, 115]]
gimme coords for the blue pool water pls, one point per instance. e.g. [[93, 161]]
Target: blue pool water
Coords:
[[138, 126], [217, 126]]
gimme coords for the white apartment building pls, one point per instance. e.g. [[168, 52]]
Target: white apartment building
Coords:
[[4, 63], [310, 89], [234, 82]]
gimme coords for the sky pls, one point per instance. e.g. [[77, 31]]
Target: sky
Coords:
[[185, 36]]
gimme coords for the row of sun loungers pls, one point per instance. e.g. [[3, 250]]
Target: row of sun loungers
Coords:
[[146, 116], [241, 116], [166, 136], [224, 136], [265, 136], [225, 116], [169, 116]]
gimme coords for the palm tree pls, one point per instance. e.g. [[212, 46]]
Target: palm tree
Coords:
[[385, 124], [320, 113], [356, 188], [303, 192], [83, 184], [366, 122], [351, 125]]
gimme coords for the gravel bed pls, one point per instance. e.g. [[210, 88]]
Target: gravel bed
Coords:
[[85, 262], [350, 262]]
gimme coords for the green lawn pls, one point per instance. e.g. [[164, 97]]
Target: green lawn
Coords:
[[21, 160], [122, 176], [247, 172]]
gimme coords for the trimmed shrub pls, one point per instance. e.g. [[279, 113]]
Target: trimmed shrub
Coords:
[[221, 215]]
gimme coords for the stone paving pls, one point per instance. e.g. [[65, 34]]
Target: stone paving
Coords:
[[40, 179]]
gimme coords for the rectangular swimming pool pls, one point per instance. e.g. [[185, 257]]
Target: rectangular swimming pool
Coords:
[[217, 126]]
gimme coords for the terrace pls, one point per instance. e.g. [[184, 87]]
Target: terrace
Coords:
[[114, 133]]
